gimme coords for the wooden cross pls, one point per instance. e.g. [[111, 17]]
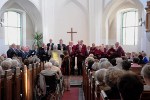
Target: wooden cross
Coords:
[[71, 34]]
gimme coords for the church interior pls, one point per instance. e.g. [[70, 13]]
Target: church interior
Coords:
[[74, 49]]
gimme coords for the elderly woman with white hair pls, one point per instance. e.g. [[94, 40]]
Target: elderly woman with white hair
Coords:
[[145, 72], [111, 78], [48, 69], [15, 64], [99, 76], [55, 68], [6, 64], [96, 65], [105, 64], [119, 63]]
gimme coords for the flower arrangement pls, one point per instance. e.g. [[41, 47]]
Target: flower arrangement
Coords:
[[38, 39]]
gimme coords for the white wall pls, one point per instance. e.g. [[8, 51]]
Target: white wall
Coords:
[[60, 15]]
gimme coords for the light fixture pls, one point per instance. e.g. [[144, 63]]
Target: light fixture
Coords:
[[141, 22], [1, 22]]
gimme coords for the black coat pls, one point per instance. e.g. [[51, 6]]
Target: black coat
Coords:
[[63, 46], [11, 52], [48, 45]]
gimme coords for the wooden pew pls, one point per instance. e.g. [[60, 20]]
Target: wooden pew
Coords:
[[97, 91], [7, 83], [42, 65], [89, 84], [146, 93], [29, 83], [34, 68], [84, 75], [27, 92], [38, 69], [16, 84], [86, 84], [24, 82], [92, 87]]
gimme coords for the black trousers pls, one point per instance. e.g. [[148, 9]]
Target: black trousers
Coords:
[[79, 64]]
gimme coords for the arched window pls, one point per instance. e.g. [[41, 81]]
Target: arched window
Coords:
[[13, 27], [128, 26]]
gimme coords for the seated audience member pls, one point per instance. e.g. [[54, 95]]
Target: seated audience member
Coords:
[[130, 87], [56, 64], [140, 56], [4, 55], [15, 64], [119, 63], [1, 71], [103, 59], [96, 65], [55, 68], [89, 58], [113, 61], [6, 64], [126, 65], [90, 63], [145, 72], [99, 76], [48, 71], [136, 62], [145, 59], [26, 62], [111, 78], [1, 59], [35, 59], [105, 64]]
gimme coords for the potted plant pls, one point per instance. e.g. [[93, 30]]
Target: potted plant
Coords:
[[38, 39]]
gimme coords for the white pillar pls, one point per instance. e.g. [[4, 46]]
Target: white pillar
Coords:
[[95, 21], [48, 17]]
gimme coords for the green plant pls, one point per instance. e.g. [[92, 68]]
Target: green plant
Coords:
[[38, 39]]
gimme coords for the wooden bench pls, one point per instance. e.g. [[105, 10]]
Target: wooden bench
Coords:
[[146, 93], [97, 91], [16, 84], [7, 83]]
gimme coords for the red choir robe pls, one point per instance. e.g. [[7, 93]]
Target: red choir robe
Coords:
[[98, 53], [111, 53], [120, 52], [92, 50]]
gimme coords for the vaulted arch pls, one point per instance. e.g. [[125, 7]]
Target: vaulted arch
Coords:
[[29, 8]]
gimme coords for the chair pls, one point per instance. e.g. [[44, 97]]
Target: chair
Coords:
[[52, 87]]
